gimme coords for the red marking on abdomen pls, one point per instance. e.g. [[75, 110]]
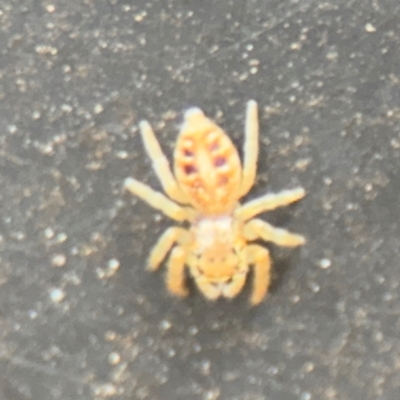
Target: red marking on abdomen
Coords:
[[190, 169], [219, 161]]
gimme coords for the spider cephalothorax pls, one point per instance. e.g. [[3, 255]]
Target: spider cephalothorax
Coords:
[[208, 183]]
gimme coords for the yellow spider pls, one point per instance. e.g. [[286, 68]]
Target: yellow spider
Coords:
[[208, 182]]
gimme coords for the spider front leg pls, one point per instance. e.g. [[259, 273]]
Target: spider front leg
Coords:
[[210, 291], [164, 244], [250, 150], [159, 201], [269, 202], [259, 257], [161, 164], [176, 272], [232, 289], [257, 228]]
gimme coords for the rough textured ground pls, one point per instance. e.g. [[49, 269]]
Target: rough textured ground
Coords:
[[79, 316]]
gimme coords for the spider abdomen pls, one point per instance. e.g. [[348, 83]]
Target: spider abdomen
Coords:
[[207, 165]]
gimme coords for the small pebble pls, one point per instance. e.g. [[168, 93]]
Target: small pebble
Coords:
[[113, 265], [308, 367], [57, 295], [48, 233], [314, 286], [106, 390], [295, 299], [305, 396], [212, 394], [114, 358], [205, 366], [110, 336], [98, 108], [36, 115], [295, 46], [61, 237], [332, 55], [122, 155], [193, 330], [12, 129], [196, 348], [50, 8], [272, 370], [325, 263], [171, 353], [58, 260], [165, 325], [369, 28], [100, 273], [67, 108]]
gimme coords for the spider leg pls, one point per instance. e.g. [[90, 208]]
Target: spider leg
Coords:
[[250, 150], [210, 291], [161, 164], [176, 272], [269, 202], [164, 245], [257, 228], [261, 260], [159, 201], [232, 289]]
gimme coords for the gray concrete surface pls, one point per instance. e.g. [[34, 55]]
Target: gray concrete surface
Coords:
[[79, 316]]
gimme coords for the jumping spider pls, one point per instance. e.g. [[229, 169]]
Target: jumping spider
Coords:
[[209, 180]]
